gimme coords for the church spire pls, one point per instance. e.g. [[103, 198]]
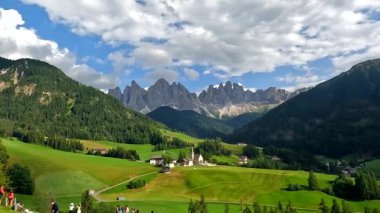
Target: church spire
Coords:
[[192, 153]]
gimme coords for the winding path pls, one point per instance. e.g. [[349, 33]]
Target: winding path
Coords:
[[96, 194]]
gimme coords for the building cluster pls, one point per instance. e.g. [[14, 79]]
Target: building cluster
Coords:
[[194, 159]]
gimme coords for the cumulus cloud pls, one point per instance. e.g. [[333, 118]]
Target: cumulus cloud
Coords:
[[169, 75], [304, 81], [248, 36], [191, 74], [344, 63], [17, 42], [149, 56]]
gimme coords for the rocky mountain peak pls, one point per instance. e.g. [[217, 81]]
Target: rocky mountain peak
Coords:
[[225, 99]]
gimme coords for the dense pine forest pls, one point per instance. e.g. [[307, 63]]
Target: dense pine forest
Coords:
[[37, 98]]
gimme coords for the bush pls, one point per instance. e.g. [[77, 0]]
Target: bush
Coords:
[[21, 179], [136, 184], [294, 187]]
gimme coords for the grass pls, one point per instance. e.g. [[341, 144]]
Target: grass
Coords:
[[4, 209], [181, 136], [145, 151], [233, 184], [373, 166], [66, 173], [123, 187]]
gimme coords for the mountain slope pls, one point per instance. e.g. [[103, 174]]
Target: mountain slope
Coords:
[[38, 97], [191, 122], [338, 117]]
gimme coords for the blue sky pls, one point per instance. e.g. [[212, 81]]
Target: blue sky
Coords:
[[259, 44]]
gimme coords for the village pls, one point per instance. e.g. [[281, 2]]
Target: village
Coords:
[[193, 160]]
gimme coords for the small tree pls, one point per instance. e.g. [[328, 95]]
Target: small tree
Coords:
[[290, 208], [87, 202], [323, 207], [256, 207], [226, 209], [335, 207], [181, 156], [367, 210], [21, 179], [42, 201], [313, 181], [247, 209], [345, 207]]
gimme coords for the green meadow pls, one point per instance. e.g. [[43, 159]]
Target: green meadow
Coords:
[[66, 175], [145, 151], [373, 166], [232, 185]]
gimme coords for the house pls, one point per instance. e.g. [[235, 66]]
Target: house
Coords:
[[243, 160], [101, 151], [156, 160], [165, 170], [187, 162], [170, 165], [274, 158]]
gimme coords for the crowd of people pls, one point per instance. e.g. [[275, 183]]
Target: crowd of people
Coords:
[[8, 199], [126, 209]]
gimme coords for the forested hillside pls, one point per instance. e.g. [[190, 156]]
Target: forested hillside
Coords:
[[37, 98], [338, 117]]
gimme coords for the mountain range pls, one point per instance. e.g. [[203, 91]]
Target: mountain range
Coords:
[[225, 100], [338, 117]]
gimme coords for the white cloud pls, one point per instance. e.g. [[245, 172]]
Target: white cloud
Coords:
[[119, 61], [169, 75], [305, 81], [149, 56], [17, 42], [240, 37], [191, 74], [344, 63]]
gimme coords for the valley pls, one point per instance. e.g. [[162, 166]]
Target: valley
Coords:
[[64, 141]]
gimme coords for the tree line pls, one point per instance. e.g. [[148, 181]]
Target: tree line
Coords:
[[212, 147], [55, 142], [200, 206], [171, 143]]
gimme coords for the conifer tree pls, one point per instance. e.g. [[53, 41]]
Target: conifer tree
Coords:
[[313, 181]]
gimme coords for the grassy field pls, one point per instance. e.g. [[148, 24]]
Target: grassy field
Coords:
[[232, 184], [181, 136], [373, 166], [65, 173], [145, 151]]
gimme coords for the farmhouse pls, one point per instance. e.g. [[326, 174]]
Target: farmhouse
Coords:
[[156, 160], [101, 151], [243, 160]]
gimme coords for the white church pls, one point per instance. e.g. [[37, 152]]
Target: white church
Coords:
[[196, 159]]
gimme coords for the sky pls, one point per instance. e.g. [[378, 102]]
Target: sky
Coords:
[[258, 43]]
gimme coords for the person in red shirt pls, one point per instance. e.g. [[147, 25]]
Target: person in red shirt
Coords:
[[11, 197], [2, 193]]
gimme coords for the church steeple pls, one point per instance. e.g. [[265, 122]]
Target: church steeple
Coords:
[[192, 153]]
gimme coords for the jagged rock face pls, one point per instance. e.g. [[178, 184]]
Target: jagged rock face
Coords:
[[229, 99], [115, 93]]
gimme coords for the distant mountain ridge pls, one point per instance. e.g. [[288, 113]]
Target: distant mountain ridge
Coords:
[[198, 125], [226, 100], [338, 117]]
